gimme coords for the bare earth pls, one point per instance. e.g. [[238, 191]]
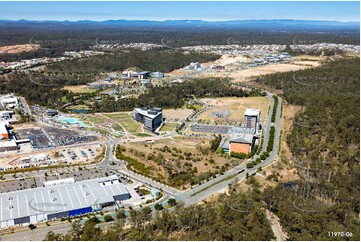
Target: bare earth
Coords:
[[14, 49], [264, 70], [235, 108], [174, 115], [79, 89], [234, 70]]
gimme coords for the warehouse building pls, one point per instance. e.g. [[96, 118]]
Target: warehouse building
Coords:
[[150, 118], [60, 200]]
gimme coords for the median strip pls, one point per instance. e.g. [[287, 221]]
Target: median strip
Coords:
[[207, 187]]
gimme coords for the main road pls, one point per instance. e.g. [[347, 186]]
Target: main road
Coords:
[[189, 197], [200, 192], [221, 182]]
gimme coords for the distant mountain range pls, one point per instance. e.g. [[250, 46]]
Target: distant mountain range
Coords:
[[286, 24]]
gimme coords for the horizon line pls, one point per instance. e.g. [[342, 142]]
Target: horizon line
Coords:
[[153, 20]]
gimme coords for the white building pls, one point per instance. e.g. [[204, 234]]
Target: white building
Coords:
[[60, 200], [195, 66], [9, 101], [6, 143], [250, 115]]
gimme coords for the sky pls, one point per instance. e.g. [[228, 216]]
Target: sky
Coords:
[[209, 11]]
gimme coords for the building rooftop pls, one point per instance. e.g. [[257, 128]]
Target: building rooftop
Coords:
[[4, 133], [241, 135], [7, 143], [151, 113], [60, 198], [252, 112]]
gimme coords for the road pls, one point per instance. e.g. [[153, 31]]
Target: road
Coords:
[[37, 234], [189, 197], [189, 200]]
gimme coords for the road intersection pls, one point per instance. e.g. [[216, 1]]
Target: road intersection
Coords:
[[190, 196]]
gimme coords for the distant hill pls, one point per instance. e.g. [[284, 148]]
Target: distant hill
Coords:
[[284, 24]]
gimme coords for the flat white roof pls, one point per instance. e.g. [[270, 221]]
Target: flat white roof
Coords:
[[60, 198], [9, 100], [7, 143], [252, 112], [59, 182]]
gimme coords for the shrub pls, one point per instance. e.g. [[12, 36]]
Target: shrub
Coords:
[[108, 218]]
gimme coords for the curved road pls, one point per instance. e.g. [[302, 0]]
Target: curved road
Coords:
[[189, 197]]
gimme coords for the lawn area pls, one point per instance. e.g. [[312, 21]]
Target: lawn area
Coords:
[[102, 131], [196, 107], [168, 127], [129, 124], [142, 135], [118, 127], [117, 115], [90, 118], [144, 191], [125, 120]]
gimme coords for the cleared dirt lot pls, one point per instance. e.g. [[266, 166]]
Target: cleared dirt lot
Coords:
[[263, 70], [14, 49], [235, 67], [175, 115], [79, 89], [230, 110]]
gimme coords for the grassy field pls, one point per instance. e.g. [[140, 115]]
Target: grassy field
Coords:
[[118, 128], [143, 135], [130, 125], [102, 131], [168, 127], [117, 115], [125, 120], [90, 119], [196, 107], [177, 161]]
